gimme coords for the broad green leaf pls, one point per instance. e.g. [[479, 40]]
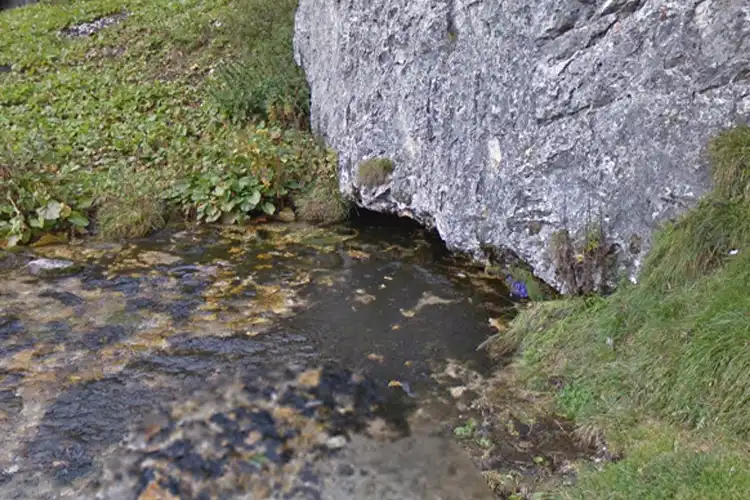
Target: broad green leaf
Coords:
[[85, 203], [66, 211], [13, 240], [246, 181], [228, 206], [78, 219], [254, 198], [269, 208]]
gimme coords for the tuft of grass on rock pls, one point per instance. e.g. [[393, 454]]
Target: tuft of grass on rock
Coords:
[[322, 204], [374, 171]]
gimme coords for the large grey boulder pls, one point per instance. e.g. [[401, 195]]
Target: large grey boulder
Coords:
[[510, 121]]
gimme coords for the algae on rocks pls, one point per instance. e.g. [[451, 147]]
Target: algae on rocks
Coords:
[[529, 113]]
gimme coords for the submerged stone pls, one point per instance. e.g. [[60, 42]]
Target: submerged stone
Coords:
[[286, 215], [50, 268], [251, 437]]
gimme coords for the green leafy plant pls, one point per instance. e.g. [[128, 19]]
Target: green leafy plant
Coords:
[[230, 197], [467, 430], [117, 126], [31, 206]]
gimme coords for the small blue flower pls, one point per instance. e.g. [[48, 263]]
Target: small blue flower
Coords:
[[517, 288]]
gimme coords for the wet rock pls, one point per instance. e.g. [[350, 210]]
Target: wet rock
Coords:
[[10, 326], [256, 437], [51, 268], [83, 421], [10, 405], [12, 260], [207, 346], [286, 215], [66, 298], [103, 336], [123, 284], [155, 258], [336, 442], [179, 310]]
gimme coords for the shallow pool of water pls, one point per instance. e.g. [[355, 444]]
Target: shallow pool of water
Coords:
[[147, 323]]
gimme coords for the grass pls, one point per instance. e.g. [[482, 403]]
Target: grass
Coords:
[[149, 96], [265, 82], [374, 171], [661, 369], [323, 203], [664, 464], [134, 214]]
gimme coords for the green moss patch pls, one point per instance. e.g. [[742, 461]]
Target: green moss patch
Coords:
[[374, 172]]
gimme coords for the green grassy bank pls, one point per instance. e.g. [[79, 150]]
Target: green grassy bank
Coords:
[[191, 107], [660, 370]]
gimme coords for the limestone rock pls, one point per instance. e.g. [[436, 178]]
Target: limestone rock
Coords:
[[49, 268], [510, 121]]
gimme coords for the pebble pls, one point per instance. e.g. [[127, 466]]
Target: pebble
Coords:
[[457, 392], [336, 442], [286, 215], [45, 268]]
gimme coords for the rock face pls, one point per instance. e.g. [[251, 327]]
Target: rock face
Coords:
[[508, 122]]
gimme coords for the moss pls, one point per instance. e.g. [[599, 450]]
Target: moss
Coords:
[[374, 172]]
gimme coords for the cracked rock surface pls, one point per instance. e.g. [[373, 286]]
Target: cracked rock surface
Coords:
[[509, 121]]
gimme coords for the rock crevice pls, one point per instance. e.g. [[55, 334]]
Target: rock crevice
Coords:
[[509, 122]]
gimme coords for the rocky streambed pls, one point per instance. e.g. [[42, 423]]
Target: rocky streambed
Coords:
[[266, 361]]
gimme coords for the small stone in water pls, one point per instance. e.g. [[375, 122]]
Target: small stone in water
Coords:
[[286, 215], [336, 442], [50, 267], [457, 392]]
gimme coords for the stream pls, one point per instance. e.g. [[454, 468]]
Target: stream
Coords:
[[174, 322]]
